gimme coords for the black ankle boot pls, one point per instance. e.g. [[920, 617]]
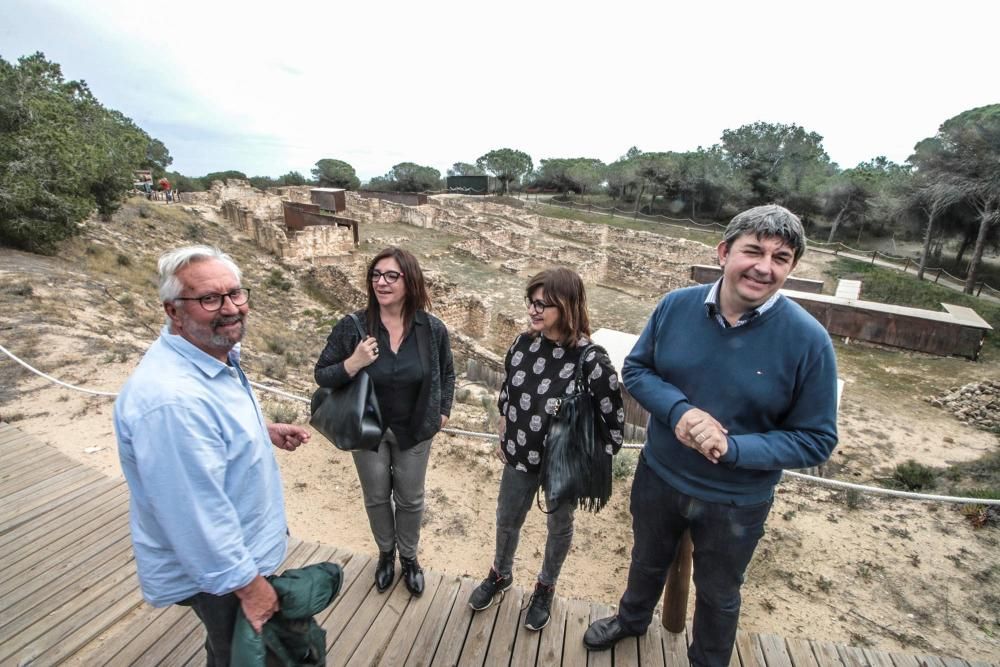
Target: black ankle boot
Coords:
[[413, 576], [385, 571]]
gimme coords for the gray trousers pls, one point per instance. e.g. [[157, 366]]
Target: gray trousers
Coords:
[[517, 495], [392, 482]]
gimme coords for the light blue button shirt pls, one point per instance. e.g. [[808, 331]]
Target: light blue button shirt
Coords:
[[207, 512]]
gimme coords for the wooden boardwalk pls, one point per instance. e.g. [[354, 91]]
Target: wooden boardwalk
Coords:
[[69, 595]]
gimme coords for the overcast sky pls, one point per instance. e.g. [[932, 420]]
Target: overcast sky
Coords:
[[268, 87]]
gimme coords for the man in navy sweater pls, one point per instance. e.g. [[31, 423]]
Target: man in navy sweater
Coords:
[[740, 383]]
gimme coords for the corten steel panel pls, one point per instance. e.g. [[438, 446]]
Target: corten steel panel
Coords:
[[912, 333], [405, 198], [329, 199], [704, 273], [299, 216]]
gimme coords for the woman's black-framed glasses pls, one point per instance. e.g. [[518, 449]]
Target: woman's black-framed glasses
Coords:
[[213, 302], [537, 305], [390, 276]]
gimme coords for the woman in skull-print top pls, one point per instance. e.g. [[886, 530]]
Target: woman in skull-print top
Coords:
[[539, 372], [540, 368]]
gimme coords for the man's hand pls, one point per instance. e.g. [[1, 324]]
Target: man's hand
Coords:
[[501, 429], [444, 420], [287, 436], [259, 602], [700, 431]]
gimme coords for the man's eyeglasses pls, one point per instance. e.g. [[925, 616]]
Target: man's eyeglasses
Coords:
[[213, 302], [390, 276], [537, 306]]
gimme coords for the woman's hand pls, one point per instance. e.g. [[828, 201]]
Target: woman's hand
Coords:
[[364, 355], [501, 430]]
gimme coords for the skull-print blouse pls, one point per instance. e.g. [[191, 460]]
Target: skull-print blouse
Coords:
[[539, 371]]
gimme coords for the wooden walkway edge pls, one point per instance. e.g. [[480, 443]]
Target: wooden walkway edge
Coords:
[[70, 596]]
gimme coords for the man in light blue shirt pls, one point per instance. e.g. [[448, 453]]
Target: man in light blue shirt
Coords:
[[206, 511]]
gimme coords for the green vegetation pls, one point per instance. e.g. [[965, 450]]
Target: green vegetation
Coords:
[[407, 177], [330, 173], [506, 164], [914, 476], [62, 155]]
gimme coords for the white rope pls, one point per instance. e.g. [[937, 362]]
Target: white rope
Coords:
[[822, 481], [52, 379]]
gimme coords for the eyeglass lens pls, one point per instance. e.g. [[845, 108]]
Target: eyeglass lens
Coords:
[[390, 276], [214, 301]]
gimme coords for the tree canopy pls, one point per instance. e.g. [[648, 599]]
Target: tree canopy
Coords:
[[506, 164], [465, 169], [407, 177], [330, 173], [62, 154]]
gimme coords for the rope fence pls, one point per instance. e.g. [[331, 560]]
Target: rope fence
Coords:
[[819, 481]]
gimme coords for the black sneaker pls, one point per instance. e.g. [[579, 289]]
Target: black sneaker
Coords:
[[490, 591], [539, 606]]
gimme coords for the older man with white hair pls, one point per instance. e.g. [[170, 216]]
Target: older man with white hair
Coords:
[[207, 511]]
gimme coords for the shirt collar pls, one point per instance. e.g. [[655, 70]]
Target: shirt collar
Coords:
[[712, 308], [205, 362]]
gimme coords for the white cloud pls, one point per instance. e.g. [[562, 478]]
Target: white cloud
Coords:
[[265, 87]]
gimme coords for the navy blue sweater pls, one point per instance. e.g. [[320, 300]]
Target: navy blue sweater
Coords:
[[771, 382]]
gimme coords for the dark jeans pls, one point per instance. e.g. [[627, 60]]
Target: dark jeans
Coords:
[[516, 496], [218, 614], [724, 538]]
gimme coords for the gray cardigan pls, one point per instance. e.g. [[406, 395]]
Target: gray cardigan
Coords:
[[438, 388]]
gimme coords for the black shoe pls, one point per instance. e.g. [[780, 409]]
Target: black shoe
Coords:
[[492, 589], [413, 575], [604, 633], [539, 606], [385, 571]]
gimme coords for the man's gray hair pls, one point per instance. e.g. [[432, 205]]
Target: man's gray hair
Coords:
[[766, 221], [172, 262]]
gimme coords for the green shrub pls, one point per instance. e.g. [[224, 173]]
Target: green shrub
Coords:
[[623, 465], [281, 413], [276, 279], [914, 476]]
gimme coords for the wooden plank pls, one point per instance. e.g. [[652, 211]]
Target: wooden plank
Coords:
[[356, 626], [358, 583], [25, 619], [852, 656], [477, 640], [373, 637], [506, 629], [577, 622], [800, 652], [904, 660], [410, 623], [453, 638], [826, 654], [881, 659], [675, 647], [25, 508], [773, 648], [749, 650], [550, 645], [950, 661], [77, 536], [31, 512], [422, 651], [16, 466], [57, 485], [930, 660], [66, 638], [66, 566], [650, 646], [604, 658], [50, 526]]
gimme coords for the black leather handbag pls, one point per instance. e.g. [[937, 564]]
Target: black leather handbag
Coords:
[[576, 467], [349, 416]]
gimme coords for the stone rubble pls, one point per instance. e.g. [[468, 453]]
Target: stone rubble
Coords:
[[976, 403]]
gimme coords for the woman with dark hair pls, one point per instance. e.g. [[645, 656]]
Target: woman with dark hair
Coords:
[[408, 357], [540, 368]]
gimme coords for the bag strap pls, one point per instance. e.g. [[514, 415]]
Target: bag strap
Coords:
[[357, 323]]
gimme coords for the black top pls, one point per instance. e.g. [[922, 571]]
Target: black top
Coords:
[[397, 377], [539, 372], [437, 388]]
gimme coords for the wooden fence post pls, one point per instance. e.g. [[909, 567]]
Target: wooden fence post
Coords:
[[938, 275], [675, 593], [906, 264], [874, 255], [980, 290]]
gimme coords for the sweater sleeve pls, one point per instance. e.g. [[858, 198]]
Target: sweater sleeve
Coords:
[[809, 431], [340, 344], [644, 382], [605, 391]]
